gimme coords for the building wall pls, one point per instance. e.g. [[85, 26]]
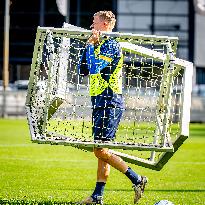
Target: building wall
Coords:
[[158, 17], [199, 58], [200, 41]]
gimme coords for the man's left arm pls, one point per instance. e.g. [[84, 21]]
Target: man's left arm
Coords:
[[105, 57]]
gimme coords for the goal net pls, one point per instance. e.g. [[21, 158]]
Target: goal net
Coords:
[[156, 91]]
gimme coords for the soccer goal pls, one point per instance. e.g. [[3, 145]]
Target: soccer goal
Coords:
[[156, 88]]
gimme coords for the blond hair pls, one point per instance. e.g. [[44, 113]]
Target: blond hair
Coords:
[[107, 16]]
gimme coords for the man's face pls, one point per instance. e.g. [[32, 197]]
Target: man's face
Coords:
[[99, 24]]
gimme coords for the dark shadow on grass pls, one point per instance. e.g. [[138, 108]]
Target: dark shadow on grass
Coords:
[[30, 202], [33, 202], [147, 190], [162, 190], [175, 190], [53, 202]]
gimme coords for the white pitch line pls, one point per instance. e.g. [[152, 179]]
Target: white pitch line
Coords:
[[43, 160], [17, 145], [198, 163]]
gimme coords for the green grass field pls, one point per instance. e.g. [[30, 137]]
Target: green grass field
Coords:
[[45, 174]]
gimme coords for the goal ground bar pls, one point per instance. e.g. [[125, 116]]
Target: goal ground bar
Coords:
[[158, 165], [63, 140]]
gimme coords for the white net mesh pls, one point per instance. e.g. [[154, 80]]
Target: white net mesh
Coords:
[[57, 77], [59, 103]]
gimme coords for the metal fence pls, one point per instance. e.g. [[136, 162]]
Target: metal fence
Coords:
[[15, 105]]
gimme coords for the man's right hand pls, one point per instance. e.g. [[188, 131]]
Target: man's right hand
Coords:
[[95, 37]]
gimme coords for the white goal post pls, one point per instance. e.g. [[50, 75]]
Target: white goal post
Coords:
[[156, 86]]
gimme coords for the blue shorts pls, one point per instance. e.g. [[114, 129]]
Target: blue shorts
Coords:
[[105, 122]]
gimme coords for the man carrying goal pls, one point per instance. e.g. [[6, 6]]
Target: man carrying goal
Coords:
[[103, 60]]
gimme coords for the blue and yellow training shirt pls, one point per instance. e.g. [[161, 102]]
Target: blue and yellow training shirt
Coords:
[[104, 65]]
